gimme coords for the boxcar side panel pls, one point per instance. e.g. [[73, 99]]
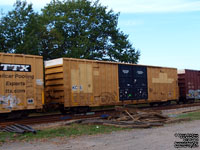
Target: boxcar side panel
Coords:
[[89, 83], [132, 82], [21, 78], [96, 83], [106, 88], [81, 83], [162, 84], [54, 86], [189, 84]]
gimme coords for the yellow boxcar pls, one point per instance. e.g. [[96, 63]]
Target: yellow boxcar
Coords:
[[80, 82], [21, 82]]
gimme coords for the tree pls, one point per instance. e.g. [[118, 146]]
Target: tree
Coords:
[[19, 30], [84, 29], [69, 28]]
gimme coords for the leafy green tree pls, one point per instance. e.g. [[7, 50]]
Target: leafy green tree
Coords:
[[86, 30], [69, 28], [2, 40], [19, 30]]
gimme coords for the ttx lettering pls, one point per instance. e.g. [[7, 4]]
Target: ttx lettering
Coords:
[[15, 67]]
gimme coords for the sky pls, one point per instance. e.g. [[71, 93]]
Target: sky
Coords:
[[167, 32]]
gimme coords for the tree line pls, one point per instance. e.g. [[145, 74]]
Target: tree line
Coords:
[[69, 28]]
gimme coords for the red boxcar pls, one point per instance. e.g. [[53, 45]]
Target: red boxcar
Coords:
[[189, 84]]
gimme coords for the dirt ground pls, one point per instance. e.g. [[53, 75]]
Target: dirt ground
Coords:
[[161, 138]]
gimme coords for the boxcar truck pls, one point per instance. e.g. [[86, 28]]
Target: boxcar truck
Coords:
[[78, 83], [189, 85], [21, 84]]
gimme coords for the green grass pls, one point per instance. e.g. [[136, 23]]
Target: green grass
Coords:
[[65, 131], [191, 115]]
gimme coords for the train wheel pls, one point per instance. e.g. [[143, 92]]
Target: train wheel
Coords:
[[62, 110], [191, 101], [24, 114], [15, 115], [152, 104], [167, 103], [185, 101], [78, 110]]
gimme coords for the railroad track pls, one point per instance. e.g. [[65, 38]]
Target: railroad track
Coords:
[[52, 118], [59, 117], [174, 106]]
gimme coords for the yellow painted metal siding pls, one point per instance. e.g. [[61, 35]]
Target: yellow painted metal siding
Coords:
[[79, 82], [54, 84], [162, 84], [90, 83], [106, 84], [20, 88]]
